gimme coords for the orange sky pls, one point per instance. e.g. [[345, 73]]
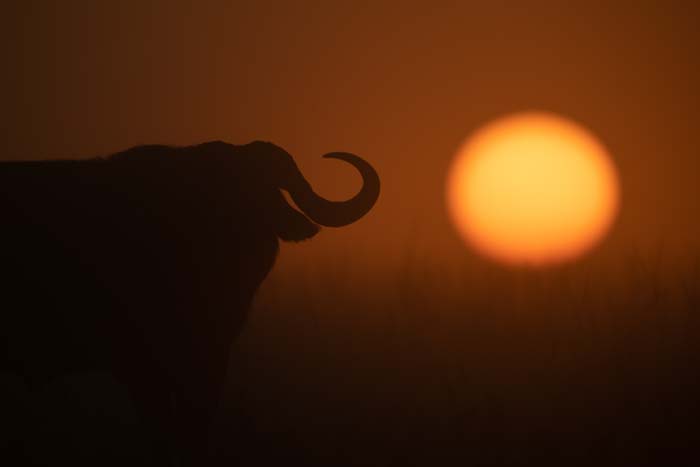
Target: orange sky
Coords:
[[400, 84]]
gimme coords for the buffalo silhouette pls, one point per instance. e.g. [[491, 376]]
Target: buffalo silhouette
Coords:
[[144, 264]]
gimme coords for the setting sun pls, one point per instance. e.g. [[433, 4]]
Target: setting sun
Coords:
[[532, 189]]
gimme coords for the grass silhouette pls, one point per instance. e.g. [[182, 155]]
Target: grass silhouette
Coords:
[[468, 366], [594, 364]]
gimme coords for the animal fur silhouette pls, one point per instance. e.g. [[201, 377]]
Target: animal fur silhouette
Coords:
[[144, 263]]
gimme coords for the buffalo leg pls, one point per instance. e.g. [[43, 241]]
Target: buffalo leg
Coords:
[[154, 404]]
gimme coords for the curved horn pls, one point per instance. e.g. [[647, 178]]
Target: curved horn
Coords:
[[338, 213]]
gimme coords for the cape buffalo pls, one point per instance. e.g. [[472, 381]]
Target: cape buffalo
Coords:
[[144, 264]]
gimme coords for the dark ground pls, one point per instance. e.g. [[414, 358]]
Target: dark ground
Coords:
[[428, 367]]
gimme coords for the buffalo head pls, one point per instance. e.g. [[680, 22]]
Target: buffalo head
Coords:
[[261, 171]]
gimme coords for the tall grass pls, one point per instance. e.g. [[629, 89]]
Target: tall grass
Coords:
[[425, 365]]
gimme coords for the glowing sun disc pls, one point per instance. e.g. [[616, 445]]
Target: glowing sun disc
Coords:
[[532, 188]]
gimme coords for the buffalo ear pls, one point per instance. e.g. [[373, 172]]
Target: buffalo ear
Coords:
[[294, 226]]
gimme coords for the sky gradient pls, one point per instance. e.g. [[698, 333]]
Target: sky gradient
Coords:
[[400, 84]]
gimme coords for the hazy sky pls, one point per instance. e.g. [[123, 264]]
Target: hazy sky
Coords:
[[401, 84]]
